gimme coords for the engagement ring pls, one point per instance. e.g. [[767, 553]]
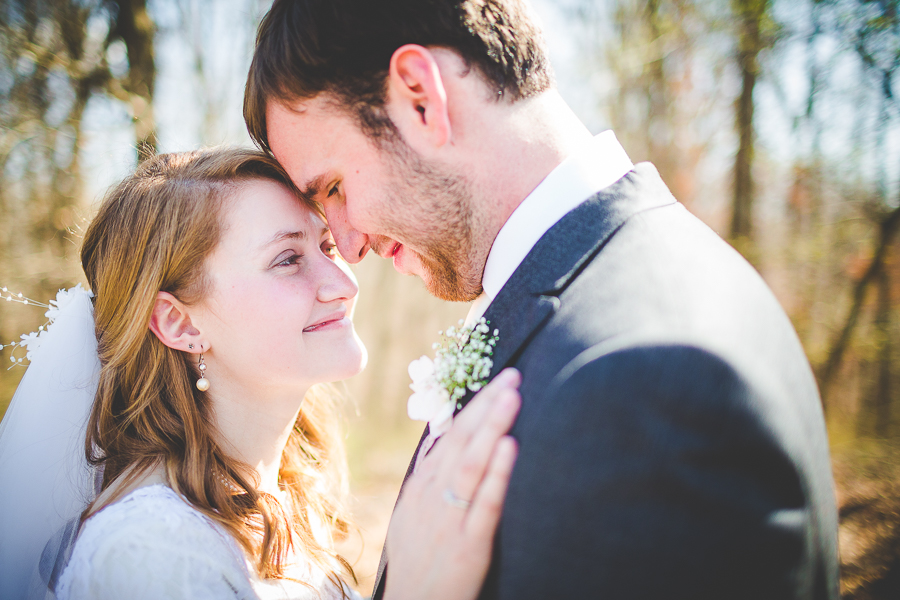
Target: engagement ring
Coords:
[[454, 501]]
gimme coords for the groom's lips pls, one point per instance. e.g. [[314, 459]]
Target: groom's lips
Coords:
[[385, 248], [397, 256]]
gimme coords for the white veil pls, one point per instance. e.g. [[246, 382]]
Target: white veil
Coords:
[[45, 480]]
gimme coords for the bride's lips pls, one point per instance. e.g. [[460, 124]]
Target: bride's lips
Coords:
[[333, 321]]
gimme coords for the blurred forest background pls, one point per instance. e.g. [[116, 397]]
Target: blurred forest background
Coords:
[[775, 121]]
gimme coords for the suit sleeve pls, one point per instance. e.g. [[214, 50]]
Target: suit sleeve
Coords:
[[654, 472]]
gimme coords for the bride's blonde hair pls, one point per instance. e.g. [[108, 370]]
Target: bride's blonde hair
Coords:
[[153, 233]]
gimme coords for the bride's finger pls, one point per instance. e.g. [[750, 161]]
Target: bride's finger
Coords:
[[454, 466], [471, 419], [487, 505], [472, 461]]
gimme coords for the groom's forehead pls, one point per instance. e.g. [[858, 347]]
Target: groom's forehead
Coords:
[[316, 120], [319, 142], [303, 135], [322, 107]]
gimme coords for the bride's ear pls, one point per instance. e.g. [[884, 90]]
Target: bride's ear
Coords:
[[171, 323]]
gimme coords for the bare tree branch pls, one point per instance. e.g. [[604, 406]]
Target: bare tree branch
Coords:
[[887, 232]]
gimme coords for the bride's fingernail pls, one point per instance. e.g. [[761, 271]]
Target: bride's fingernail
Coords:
[[509, 377]]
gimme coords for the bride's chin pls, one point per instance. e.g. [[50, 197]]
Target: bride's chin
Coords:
[[362, 360], [354, 361]]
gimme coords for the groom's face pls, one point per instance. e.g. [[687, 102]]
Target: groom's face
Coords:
[[382, 198]]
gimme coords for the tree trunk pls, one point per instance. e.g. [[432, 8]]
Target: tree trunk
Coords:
[[135, 27], [873, 417], [881, 402], [659, 121], [888, 230], [750, 15]]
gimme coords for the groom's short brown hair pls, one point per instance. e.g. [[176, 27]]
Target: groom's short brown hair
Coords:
[[344, 48]]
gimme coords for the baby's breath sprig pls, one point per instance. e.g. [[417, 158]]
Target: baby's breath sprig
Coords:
[[463, 358], [462, 362]]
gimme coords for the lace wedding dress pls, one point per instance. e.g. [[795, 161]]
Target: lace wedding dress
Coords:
[[153, 545]]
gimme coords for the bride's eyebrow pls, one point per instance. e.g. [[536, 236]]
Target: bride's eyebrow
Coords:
[[284, 235], [292, 235]]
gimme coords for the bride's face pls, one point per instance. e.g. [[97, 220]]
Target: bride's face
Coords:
[[277, 315]]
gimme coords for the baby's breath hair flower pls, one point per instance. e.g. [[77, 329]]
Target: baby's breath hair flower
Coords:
[[462, 362]]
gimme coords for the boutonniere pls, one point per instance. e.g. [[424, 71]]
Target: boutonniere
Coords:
[[462, 362]]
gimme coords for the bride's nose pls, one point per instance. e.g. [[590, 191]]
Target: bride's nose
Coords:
[[337, 282]]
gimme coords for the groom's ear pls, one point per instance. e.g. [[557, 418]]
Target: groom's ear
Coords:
[[171, 323], [417, 97]]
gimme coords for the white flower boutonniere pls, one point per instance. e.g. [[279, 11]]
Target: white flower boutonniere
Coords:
[[462, 362]]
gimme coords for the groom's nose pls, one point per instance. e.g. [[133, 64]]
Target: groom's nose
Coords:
[[351, 243]]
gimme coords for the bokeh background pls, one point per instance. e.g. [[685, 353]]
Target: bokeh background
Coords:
[[775, 121]]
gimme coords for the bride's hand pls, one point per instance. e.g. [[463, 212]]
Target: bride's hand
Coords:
[[441, 535]]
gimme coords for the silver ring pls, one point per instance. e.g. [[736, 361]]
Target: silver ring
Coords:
[[454, 501]]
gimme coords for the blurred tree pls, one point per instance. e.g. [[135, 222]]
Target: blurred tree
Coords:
[[209, 69], [872, 30], [756, 30], [672, 63], [131, 23], [660, 101], [54, 56]]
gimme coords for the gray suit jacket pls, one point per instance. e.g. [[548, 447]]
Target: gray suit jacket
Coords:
[[672, 443]]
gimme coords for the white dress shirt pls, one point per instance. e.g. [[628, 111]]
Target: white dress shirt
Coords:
[[596, 165]]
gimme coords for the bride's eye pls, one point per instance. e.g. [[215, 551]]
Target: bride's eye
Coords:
[[293, 259], [333, 190]]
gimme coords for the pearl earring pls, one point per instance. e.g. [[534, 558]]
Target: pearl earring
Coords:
[[203, 382]]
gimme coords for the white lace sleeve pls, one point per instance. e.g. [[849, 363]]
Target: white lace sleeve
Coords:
[[152, 545]]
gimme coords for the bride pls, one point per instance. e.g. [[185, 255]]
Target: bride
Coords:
[[219, 306]]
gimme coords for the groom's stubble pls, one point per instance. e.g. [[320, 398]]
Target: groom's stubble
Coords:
[[435, 209]]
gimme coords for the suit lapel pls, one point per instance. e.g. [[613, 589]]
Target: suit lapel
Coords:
[[517, 319], [530, 297]]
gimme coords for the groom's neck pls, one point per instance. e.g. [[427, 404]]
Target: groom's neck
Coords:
[[519, 146]]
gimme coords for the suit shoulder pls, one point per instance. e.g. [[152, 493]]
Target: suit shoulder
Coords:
[[685, 373]]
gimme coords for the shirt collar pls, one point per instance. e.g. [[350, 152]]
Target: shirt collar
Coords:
[[596, 165]]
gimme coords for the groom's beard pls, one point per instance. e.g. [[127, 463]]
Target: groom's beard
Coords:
[[434, 214]]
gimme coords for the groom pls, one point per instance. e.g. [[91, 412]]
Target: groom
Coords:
[[672, 443]]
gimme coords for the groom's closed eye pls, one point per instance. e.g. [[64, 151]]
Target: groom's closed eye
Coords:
[[316, 186]]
